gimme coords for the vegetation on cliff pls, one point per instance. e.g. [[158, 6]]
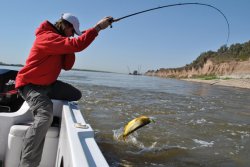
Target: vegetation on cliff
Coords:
[[236, 52]]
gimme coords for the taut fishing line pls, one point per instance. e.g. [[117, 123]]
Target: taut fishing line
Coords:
[[179, 4]]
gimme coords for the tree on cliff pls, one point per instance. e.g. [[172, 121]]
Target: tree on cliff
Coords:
[[236, 52]]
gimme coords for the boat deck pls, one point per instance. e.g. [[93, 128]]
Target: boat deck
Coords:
[[74, 145]]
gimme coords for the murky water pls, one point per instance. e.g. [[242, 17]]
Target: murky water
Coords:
[[196, 124]]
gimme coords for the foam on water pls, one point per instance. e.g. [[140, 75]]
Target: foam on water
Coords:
[[197, 124], [203, 143]]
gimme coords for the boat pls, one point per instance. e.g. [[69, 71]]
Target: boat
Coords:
[[69, 142], [135, 72]]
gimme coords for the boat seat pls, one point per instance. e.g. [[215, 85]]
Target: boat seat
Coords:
[[15, 140]]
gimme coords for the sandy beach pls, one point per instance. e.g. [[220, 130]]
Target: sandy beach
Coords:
[[235, 82]]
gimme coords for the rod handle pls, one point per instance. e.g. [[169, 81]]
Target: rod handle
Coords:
[[112, 21]]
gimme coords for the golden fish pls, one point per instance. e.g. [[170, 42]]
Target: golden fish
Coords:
[[135, 124]]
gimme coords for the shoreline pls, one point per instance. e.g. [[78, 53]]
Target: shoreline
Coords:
[[233, 82]]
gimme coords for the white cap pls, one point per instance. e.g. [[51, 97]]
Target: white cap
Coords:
[[73, 20]]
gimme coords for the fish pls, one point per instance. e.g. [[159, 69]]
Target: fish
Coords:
[[135, 124]]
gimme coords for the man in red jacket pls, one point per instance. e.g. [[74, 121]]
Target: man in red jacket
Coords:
[[53, 50]]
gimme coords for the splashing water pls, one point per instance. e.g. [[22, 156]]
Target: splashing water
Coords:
[[197, 124]]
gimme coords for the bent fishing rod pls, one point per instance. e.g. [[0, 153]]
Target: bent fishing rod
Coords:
[[178, 4]]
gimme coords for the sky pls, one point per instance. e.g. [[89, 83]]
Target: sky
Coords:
[[164, 38]]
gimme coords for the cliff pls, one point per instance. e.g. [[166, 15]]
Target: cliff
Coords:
[[233, 62], [233, 69]]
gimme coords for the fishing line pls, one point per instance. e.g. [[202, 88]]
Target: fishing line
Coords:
[[179, 4]]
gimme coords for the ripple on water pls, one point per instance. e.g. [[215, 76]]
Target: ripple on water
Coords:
[[209, 129]]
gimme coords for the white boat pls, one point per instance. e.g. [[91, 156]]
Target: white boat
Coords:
[[69, 142]]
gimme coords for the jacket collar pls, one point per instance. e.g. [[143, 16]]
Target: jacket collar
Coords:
[[46, 26]]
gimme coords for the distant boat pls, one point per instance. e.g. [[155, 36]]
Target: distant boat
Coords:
[[135, 72]]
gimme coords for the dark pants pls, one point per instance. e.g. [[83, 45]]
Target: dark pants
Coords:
[[39, 100]]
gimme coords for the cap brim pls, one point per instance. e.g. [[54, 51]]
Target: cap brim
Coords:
[[77, 31]]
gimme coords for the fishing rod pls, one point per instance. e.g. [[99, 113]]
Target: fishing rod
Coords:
[[178, 4]]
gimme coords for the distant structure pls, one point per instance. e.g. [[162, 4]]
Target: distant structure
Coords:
[[135, 72]]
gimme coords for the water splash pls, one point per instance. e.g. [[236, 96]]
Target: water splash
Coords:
[[204, 143], [130, 140], [117, 135], [140, 146]]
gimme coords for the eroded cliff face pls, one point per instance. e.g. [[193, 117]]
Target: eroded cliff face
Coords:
[[233, 69]]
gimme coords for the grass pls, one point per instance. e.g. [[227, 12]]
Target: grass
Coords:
[[211, 77], [227, 78], [207, 77]]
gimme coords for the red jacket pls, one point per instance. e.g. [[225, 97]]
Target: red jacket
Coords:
[[50, 53]]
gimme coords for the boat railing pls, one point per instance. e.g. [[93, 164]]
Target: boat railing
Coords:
[[77, 146]]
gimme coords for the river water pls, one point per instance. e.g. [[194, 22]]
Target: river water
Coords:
[[196, 124]]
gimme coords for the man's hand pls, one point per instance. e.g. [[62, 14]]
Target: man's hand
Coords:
[[104, 23]]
